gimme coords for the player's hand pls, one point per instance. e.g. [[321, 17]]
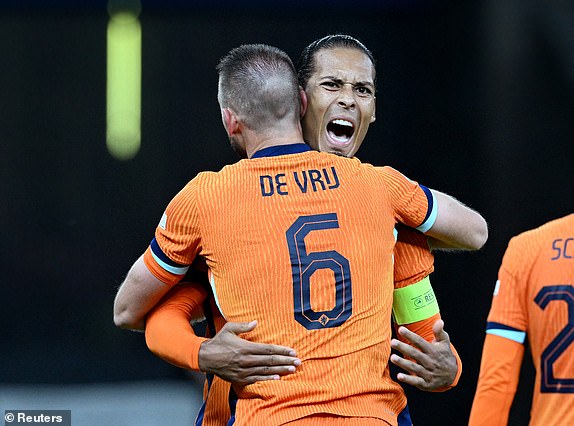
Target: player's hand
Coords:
[[243, 362], [432, 365]]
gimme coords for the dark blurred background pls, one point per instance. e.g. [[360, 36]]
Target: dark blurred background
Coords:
[[475, 99]]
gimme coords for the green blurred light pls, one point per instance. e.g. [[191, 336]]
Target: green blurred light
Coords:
[[123, 131]]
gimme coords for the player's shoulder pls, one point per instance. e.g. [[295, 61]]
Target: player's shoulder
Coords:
[[525, 247], [195, 186], [200, 179], [335, 158], [564, 223], [384, 170], [549, 230], [351, 165], [214, 177], [387, 171]]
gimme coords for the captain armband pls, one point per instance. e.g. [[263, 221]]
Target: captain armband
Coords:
[[414, 302]]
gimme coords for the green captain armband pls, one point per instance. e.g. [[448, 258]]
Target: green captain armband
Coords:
[[414, 302]]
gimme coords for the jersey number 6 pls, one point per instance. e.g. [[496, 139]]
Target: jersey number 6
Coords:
[[304, 265]]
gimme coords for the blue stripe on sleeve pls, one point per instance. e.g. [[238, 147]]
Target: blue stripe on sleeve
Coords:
[[432, 211], [165, 262], [505, 331]]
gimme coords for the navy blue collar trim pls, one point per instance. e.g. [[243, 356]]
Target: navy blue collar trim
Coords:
[[273, 151]]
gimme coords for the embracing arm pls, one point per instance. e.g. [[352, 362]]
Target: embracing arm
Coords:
[[168, 331], [432, 362], [139, 292], [456, 225], [429, 357], [170, 336]]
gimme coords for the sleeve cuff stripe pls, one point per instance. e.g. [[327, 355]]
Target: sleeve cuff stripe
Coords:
[[432, 211], [166, 263], [500, 326], [517, 336]]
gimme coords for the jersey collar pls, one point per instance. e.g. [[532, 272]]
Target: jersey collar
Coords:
[[273, 151]]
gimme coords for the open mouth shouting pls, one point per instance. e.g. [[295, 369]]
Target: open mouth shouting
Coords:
[[340, 131]]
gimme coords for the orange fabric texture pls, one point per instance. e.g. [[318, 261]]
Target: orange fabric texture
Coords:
[[498, 380], [170, 336], [216, 397], [160, 273], [535, 294], [167, 330], [413, 258], [179, 302], [323, 420], [257, 223]]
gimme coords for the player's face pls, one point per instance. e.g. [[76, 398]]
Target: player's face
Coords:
[[341, 101]]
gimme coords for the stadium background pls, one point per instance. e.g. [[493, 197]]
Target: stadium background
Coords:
[[474, 98]]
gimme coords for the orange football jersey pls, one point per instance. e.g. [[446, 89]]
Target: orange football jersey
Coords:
[[303, 243], [413, 261], [533, 298]]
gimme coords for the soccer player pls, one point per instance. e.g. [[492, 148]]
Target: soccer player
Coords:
[[268, 229], [534, 297], [168, 332]]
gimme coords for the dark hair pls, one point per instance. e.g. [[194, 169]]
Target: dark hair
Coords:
[[306, 62], [259, 82]]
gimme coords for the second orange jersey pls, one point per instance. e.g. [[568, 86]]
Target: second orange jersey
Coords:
[[534, 298]]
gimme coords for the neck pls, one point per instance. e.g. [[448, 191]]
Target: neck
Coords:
[[259, 141], [273, 143]]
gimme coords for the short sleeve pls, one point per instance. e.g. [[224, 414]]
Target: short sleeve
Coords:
[[177, 238]]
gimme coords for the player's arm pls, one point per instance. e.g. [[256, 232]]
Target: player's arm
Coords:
[[434, 213], [428, 355], [497, 382], [436, 364], [139, 292], [164, 263], [506, 327], [456, 225], [170, 336], [168, 330], [242, 362]]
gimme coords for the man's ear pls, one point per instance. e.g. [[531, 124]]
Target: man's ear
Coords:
[[230, 121], [373, 115], [303, 101]]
